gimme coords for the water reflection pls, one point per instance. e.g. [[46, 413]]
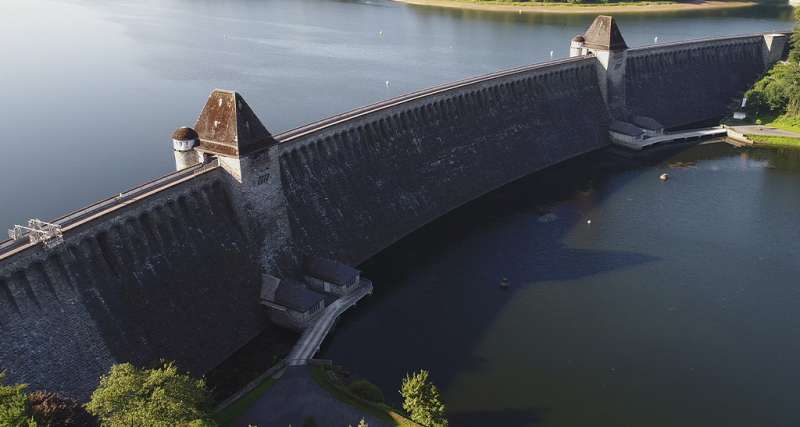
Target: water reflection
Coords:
[[617, 320]]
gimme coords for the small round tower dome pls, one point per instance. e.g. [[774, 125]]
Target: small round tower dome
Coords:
[[576, 46], [184, 139]]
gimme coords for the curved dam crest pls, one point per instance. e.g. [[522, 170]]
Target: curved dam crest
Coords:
[[176, 273]]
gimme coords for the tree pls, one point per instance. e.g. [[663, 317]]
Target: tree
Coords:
[[794, 53], [422, 401], [129, 396], [14, 405], [52, 409]]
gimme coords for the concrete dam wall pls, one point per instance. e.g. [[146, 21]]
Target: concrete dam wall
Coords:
[[684, 83], [172, 277], [354, 188], [174, 270]]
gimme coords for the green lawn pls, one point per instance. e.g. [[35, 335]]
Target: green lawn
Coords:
[[786, 123], [382, 411], [770, 120], [782, 141], [237, 408]]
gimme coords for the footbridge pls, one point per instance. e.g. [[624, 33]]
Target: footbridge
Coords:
[[173, 269]]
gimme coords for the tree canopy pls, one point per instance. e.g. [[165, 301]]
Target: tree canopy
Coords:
[[779, 91], [14, 405], [129, 396], [422, 401]]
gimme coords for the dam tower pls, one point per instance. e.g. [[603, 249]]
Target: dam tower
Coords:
[[604, 40], [184, 139], [229, 129]]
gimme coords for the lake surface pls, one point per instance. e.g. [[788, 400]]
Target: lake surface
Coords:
[[676, 305], [94, 89]]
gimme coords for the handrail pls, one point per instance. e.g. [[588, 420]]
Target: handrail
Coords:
[[300, 131], [402, 99], [704, 39], [78, 214]]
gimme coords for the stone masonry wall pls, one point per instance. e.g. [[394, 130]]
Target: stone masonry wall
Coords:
[[684, 83], [354, 188], [173, 277]]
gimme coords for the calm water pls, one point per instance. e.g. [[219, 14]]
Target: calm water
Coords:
[[676, 306], [93, 89], [673, 307]]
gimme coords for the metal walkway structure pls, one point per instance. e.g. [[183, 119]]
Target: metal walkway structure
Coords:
[[56, 227], [308, 344]]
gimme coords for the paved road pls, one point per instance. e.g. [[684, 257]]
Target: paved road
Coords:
[[763, 130], [296, 396]]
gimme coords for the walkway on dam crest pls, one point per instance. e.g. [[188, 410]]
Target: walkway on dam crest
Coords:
[[308, 344]]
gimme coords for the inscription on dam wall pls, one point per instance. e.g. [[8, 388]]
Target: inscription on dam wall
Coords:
[[176, 273]]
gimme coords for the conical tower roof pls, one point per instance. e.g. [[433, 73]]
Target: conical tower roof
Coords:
[[604, 34], [228, 126]]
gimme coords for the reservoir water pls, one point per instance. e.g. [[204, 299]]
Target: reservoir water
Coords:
[[93, 90], [674, 306]]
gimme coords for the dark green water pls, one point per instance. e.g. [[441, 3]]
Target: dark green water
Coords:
[[676, 306]]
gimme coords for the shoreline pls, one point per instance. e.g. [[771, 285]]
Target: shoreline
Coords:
[[560, 8]]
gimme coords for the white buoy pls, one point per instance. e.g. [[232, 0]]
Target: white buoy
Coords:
[[387, 83], [380, 33], [588, 221], [664, 176]]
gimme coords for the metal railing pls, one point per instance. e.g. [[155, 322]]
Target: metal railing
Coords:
[[703, 40], [436, 90], [119, 199]]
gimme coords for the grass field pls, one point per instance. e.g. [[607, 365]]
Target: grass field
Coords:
[[382, 411], [237, 408]]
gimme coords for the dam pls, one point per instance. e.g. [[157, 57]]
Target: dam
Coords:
[[173, 269]]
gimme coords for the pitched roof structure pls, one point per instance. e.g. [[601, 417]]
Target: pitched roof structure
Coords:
[[625, 128], [330, 271], [228, 126], [296, 296], [648, 123], [604, 34], [269, 287]]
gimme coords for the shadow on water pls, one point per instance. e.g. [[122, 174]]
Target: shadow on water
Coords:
[[430, 307], [503, 417]]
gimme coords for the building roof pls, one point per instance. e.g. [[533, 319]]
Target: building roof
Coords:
[[329, 270], [296, 296], [625, 128], [228, 126], [604, 34], [269, 287], [184, 133], [648, 123], [579, 38]]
